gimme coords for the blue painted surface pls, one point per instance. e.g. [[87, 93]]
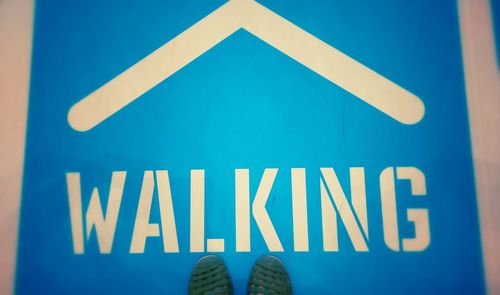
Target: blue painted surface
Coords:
[[245, 105], [495, 13]]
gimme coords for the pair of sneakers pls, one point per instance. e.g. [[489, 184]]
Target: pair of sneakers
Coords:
[[210, 276]]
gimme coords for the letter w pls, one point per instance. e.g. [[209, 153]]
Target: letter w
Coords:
[[104, 225]]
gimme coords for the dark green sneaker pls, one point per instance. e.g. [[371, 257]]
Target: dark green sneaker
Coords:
[[210, 277], [269, 276]]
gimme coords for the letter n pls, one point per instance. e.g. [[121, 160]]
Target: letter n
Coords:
[[355, 222]]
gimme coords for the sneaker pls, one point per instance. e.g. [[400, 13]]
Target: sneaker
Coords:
[[210, 277], [269, 276]]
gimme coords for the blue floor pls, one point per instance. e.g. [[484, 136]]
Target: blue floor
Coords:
[[245, 105]]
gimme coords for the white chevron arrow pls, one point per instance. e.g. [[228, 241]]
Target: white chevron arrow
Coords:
[[266, 25]]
